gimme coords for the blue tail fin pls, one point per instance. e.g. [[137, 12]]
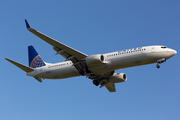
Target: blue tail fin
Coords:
[[34, 58]]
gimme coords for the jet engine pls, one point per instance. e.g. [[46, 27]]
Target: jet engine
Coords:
[[118, 77], [94, 59]]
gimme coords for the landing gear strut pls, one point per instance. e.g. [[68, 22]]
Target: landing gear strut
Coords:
[[160, 61], [158, 66]]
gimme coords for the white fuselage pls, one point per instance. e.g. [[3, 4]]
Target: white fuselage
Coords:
[[113, 61]]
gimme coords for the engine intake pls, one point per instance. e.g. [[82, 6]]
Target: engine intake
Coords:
[[118, 77], [94, 59]]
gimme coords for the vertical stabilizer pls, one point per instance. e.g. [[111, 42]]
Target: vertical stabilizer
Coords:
[[34, 58]]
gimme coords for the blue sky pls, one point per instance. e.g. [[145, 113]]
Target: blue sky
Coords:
[[92, 27]]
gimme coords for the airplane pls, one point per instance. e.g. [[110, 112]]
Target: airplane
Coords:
[[100, 67]]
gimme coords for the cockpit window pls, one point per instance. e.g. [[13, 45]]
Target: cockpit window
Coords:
[[163, 47]]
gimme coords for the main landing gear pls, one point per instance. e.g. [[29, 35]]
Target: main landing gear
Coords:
[[160, 61], [96, 82], [82, 72]]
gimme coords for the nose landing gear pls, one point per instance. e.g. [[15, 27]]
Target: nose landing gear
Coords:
[[160, 61], [158, 66]]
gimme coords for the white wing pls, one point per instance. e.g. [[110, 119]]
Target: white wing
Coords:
[[111, 87], [67, 52]]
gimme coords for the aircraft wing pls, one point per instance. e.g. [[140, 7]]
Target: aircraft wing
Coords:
[[111, 87], [67, 52], [105, 81]]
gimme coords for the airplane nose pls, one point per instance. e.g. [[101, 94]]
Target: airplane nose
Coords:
[[175, 52]]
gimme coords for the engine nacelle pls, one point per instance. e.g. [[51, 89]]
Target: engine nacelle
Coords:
[[94, 59], [118, 77]]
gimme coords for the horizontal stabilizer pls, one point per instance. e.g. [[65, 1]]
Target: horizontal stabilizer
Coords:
[[21, 66]]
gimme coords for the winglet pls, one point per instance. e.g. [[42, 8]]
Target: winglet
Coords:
[[27, 24]]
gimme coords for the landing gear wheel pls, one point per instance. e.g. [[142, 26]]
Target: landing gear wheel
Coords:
[[82, 72], [96, 82], [158, 66]]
